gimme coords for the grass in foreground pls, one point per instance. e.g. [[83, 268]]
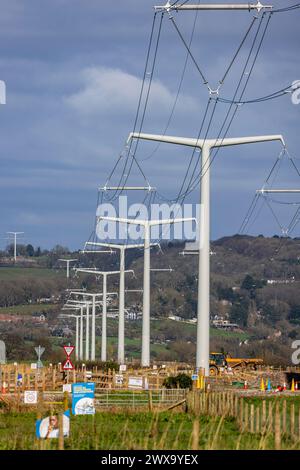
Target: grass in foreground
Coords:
[[135, 431]]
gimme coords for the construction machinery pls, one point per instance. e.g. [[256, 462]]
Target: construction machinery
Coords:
[[219, 362]]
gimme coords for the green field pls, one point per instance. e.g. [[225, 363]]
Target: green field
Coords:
[[16, 273], [26, 309], [159, 327], [133, 347], [120, 431]]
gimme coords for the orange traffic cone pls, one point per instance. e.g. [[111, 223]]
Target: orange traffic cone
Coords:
[[284, 386], [245, 385]]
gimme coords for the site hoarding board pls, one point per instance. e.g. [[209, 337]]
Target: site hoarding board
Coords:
[[83, 398]]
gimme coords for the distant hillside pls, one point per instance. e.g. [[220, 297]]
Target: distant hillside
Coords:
[[254, 283]]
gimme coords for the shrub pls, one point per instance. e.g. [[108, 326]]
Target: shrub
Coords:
[[180, 381]]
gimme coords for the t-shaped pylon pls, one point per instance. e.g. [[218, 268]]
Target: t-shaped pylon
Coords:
[[121, 330], [206, 145], [104, 275], [147, 224]]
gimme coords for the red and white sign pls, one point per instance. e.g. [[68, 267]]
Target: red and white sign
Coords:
[[69, 350], [68, 365]]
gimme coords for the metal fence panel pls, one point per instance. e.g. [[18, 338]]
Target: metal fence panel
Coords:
[[137, 399]]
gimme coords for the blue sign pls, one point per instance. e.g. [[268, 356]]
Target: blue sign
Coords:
[[194, 377], [19, 380], [83, 398]]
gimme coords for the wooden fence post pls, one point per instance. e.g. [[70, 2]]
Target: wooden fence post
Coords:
[[246, 418], [257, 427], [264, 417], [43, 380], [150, 400], [213, 404], [195, 436], [277, 428], [292, 417], [61, 431], [66, 401], [270, 417], [241, 414], [284, 417], [252, 418], [53, 378], [220, 404], [198, 398], [232, 401], [236, 406]]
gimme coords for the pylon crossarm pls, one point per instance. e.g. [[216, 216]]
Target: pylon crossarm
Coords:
[[112, 245], [123, 220], [171, 221], [147, 222], [120, 246], [73, 307], [133, 290], [81, 303], [209, 143], [278, 191], [91, 294], [217, 6], [102, 273], [158, 270], [84, 293], [127, 188], [85, 252], [67, 260], [231, 141]]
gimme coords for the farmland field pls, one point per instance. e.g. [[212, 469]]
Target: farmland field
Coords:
[[26, 309], [8, 274]]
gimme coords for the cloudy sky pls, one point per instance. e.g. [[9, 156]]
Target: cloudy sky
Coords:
[[73, 72]]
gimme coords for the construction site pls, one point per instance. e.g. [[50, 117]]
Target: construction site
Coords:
[[166, 318]]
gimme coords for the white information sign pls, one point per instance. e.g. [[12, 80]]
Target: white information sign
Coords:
[[135, 382], [30, 397], [67, 388]]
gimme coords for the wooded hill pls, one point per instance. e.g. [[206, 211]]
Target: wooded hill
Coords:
[[254, 283]]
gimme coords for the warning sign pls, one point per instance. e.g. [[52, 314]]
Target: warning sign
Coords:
[[69, 350], [68, 365]]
